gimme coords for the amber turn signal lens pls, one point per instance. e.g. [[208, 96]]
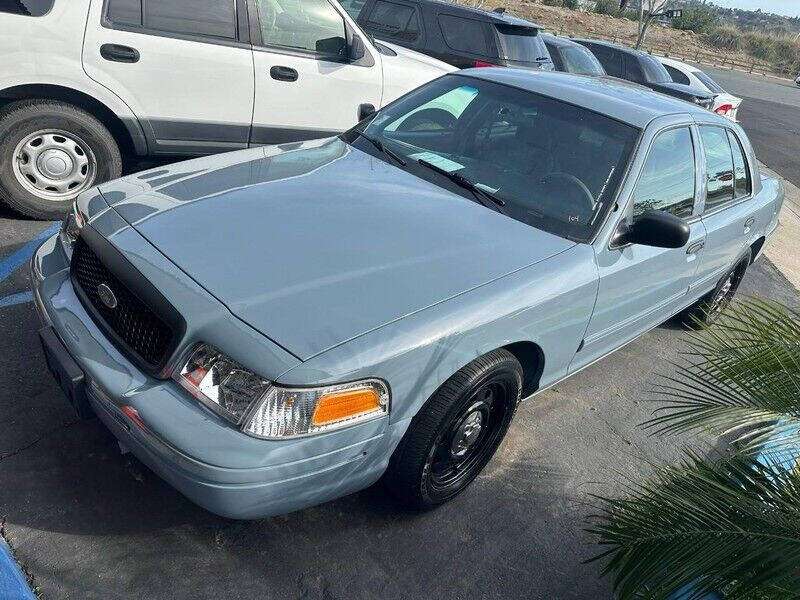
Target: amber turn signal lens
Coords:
[[344, 405]]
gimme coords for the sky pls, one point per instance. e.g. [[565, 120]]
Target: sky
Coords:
[[790, 8]]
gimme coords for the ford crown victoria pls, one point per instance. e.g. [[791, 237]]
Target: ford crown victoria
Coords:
[[276, 327]]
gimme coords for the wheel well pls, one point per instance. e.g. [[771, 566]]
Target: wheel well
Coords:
[[63, 94], [755, 247], [531, 357]]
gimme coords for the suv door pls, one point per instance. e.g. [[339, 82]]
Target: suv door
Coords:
[[641, 286], [728, 215], [306, 87], [184, 67]]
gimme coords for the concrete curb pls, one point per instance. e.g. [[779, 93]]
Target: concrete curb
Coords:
[[13, 584], [782, 248]]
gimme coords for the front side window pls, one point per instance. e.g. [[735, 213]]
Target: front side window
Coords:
[[214, 18], [556, 166], [742, 185], [719, 166], [668, 179], [307, 25], [613, 62], [394, 21], [27, 8], [633, 69], [465, 35]]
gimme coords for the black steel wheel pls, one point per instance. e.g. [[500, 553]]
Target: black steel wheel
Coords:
[[456, 432]]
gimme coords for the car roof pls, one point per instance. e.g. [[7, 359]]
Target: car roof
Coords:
[[681, 66], [559, 41], [491, 16], [622, 100]]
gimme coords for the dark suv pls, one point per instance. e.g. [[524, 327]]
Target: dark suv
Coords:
[[459, 35], [640, 67]]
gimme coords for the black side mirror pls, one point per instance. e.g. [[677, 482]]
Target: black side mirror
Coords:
[[654, 228], [365, 110], [332, 46]]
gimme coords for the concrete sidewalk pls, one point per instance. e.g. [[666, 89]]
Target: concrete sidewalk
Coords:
[[783, 250]]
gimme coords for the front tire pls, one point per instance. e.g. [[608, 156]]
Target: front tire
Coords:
[[456, 432], [49, 153]]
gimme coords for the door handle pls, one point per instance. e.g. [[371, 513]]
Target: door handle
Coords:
[[283, 73], [117, 53], [696, 247], [749, 223]]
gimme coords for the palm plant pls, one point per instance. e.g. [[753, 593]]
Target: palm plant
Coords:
[[727, 523]]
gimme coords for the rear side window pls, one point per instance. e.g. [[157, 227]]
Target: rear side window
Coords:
[[394, 21], [465, 35], [215, 18], [633, 70], [28, 8], [742, 185], [719, 166], [667, 180], [613, 62], [677, 76]]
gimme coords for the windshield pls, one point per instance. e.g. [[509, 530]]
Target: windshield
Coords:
[[553, 165], [655, 72], [522, 45], [708, 82], [580, 60]]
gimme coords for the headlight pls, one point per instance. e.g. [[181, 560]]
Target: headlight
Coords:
[[71, 229], [265, 410]]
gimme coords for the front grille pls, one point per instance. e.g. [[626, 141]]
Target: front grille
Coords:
[[136, 326]]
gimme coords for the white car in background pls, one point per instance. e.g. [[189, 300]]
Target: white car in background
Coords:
[[725, 104]]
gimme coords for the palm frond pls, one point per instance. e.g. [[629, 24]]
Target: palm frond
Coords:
[[732, 524], [740, 376]]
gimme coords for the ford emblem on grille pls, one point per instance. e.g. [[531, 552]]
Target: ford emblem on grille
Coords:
[[107, 296]]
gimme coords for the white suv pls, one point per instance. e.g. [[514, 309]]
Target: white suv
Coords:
[[84, 82]]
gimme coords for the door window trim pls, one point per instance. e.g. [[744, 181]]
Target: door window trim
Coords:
[[735, 201], [242, 39]]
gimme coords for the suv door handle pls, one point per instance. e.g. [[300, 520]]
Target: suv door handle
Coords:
[[696, 247], [283, 73], [117, 53]]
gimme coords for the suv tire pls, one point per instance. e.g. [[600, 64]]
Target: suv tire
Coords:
[[456, 432], [49, 153]]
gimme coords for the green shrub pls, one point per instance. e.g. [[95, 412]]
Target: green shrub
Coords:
[[570, 4], [726, 38], [551, 2], [760, 46], [699, 20], [607, 7]]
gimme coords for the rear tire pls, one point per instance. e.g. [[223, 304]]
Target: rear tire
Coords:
[[708, 309], [49, 153], [456, 432]]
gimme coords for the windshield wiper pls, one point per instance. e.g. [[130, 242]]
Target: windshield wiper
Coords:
[[484, 197], [379, 145]]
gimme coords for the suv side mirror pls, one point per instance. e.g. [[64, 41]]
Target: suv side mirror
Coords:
[[654, 228], [365, 110], [332, 46]]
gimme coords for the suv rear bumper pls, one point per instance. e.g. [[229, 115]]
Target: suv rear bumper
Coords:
[[211, 462]]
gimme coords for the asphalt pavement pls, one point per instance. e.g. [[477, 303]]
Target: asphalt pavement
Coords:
[[88, 522]]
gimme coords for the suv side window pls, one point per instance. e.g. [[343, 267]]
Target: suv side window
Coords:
[[465, 35], [667, 180], [677, 76], [214, 18], [394, 21], [719, 166], [612, 61], [308, 25], [633, 70], [742, 185], [27, 8]]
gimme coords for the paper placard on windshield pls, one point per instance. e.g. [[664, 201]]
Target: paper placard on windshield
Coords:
[[440, 161]]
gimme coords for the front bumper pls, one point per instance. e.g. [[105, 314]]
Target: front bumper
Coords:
[[211, 462]]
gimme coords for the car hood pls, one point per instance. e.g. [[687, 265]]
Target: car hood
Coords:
[[315, 243]]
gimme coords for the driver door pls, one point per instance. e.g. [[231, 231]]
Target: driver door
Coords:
[[305, 87], [641, 286]]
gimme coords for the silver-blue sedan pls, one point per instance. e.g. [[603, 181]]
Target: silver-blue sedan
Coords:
[[277, 327]]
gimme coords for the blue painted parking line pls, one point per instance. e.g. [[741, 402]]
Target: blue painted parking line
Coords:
[[18, 258], [13, 585]]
